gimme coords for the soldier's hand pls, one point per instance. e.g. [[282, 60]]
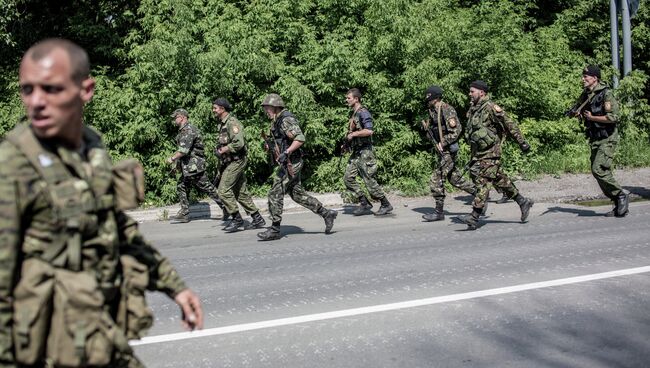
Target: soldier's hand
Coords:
[[587, 115], [192, 312], [425, 124], [525, 147], [169, 160], [284, 156]]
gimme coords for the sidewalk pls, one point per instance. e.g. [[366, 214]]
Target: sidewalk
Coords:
[[550, 189]]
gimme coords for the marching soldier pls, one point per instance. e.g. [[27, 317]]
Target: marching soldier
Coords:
[[191, 159], [598, 109], [231, 151], [362, 159], [284, 143], [444, 130], [486, 123]]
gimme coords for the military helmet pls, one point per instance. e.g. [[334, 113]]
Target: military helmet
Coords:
[[273, 99]]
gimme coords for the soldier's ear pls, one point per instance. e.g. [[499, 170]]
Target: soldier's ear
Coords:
[[87, 89]]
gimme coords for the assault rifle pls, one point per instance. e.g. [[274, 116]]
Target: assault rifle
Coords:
[[271, 146]]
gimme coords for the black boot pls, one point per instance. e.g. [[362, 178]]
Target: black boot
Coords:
[[385, 208], [503, 199], [364, 207], [329, 216], [525, 205], [183, 215], [437, 215], [258, 221], [471, 220], [614, 210], [622, 201], [235, 224], [225, 216], [271, 233]]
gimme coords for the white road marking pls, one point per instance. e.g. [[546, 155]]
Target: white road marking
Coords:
[[384, 307]]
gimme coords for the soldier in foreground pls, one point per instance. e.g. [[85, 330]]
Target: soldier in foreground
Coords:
[[284, 143], [362, 159], [69, 255], [486, 123], [444, 130], [190, 156], [598, 109], [231, 151]]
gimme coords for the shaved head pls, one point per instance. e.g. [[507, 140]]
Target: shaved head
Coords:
[[79, 63]]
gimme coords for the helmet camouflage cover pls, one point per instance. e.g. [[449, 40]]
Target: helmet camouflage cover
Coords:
[[273, 99]]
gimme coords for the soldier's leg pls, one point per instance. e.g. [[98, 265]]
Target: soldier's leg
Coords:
[[350, 180], [602, 159], [182, 188], [367, 167], [241, 191], [503, 184], [202, 183], [481, 177], [300, 196], [437, 186], [456, 178], [275, 204]]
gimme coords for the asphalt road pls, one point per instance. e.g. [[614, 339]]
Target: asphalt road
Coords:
[[570, 288]]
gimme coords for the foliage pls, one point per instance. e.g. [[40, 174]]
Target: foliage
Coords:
[[152, 56]]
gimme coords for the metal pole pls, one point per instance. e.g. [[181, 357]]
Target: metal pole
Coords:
[[613, 22], [627, 38]]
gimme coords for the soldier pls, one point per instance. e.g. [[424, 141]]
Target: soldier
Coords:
[[362, 159], [284, 144], [444, 130], [69, 253], [191, 156], [598, 109], [486, 123], [231, 151]]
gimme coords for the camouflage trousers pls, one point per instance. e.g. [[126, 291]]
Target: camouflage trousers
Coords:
[[363, 163], [487, 172], [446, 169], [602, 158], [199, 181], [291, 185], [233, 188]]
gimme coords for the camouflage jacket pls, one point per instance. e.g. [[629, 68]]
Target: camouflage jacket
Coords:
[[360, 119], [450, 126], [285, 129], [231, 135], [601, 102], [190, 144], [30, 224], [487, 125]]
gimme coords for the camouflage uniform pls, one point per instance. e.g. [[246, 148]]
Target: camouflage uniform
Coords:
[[32, 229], [232, 184], [446, 166], [192, 165], [287, 177], [487, 123], [603, 140], [362, 162]]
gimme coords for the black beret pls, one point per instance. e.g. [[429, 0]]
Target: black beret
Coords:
[[432, 93], [479, 84], [223, 103], [592, 70]]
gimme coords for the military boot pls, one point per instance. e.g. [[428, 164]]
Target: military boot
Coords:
[[471, 220], [437, 215], [183, 215], [258, 221], [622, 201], [503, 199], [614, 210], [364, 207], [271, 233], [385, 208], [225, 216], [235, 224], [525, 205], [328, 216]]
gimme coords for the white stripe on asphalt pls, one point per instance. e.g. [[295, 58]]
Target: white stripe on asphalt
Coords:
[[383, 307]]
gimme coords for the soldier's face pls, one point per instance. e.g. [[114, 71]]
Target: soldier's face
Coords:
[[270, 111], [180, 120], [351, 100], [217, 110], [475, 94], [53, 100], [588, 81]]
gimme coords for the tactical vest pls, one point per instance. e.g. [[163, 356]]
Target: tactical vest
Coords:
[[594, 130], [63, 297], [358, 143], [224, 140], [281, 140], [482, 132], [433, 127]]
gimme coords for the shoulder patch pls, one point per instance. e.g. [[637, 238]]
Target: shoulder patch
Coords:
[[608, 106], [235, 129], [497, 108], [452, 123]]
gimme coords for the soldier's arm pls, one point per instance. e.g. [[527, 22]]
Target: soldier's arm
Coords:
[[163, 276], [292, 130], [454, 128], [508, 124], [611, 108], [237, 140], [366, 124]]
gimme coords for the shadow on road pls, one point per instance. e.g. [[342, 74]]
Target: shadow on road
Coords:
[[576, 211]]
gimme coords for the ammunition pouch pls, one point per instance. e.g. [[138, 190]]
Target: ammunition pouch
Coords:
[[128, 184], [596, 131], [483, 138], [134, 317], [453, 148]]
